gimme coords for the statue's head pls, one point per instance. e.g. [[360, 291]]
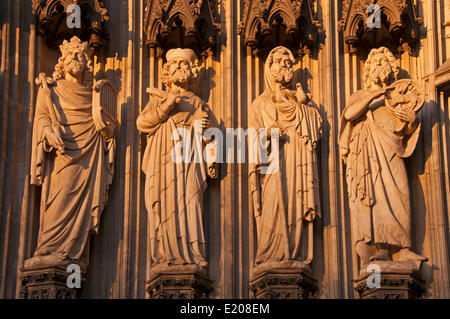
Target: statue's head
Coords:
[[179, 69], [380, 69], [76, 61], [279, 67]]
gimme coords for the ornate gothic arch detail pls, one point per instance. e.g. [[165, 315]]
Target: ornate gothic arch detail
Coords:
[[52, 15], [399, 24], [292, 23], [182, 23]]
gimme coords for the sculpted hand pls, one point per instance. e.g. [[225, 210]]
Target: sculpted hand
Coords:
[[172, 99], [388, 88], [107, 132], [276, 131], [53, 139], [382, 91], [405, 114], [301, 96], [213, 170], [378, 93], [201, 118]]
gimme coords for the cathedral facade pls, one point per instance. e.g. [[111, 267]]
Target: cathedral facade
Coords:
[[348, 99]]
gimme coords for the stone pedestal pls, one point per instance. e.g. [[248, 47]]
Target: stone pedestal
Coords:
[[397, 280], [283, 283], [47, 283], [179, 285]]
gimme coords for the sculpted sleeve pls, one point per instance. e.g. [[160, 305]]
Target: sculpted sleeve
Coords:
[[39, 145], [151, 117]]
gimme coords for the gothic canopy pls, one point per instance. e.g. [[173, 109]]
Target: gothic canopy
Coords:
[[292, 23], [399, 24], [53, 16], [190, 24]]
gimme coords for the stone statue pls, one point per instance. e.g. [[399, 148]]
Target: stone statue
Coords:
[[72, 158], [378, 129], [174, 189], [286, 199]]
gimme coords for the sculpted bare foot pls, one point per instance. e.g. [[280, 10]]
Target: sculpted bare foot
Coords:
[[44, 252], [365, 251], [407, 255], [381, 255]]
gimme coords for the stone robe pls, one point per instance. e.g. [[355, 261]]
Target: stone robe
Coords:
[[287, 201], [74, 185], [373, 147], [174, 189]]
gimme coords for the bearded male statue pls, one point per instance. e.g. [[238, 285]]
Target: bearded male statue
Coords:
[[174, 188], [285, 199], [72, 159], [378, 129]]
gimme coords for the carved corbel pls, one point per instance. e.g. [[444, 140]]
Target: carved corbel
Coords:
[[294, 24], [190, 24], [53, 16], [397, 26]]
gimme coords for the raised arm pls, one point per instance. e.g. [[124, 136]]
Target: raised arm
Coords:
[[301, 96], [360, 101], [156, 112]]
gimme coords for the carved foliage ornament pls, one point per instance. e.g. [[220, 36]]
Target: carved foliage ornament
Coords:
[[182, 23], [399, 23], [292, 22], [53, 19]]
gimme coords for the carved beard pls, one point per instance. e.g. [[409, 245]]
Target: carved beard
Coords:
[[283, 75], [381, 75], [74, 68], [180, 77]]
